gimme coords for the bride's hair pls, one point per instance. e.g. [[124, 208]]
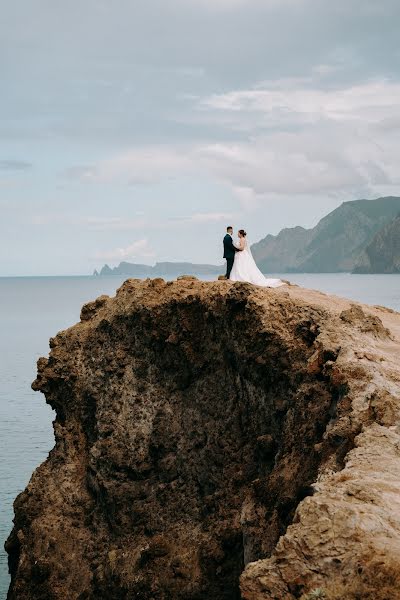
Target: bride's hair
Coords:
[[242, 232]]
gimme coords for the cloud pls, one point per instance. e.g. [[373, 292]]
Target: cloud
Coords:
[[115, 223], [229, 5], [92, 223], [281, 164], [81, 172], [266, 110], [138, 166], [14, 165], [128, 89], [300, 139], [137, 223], [304, 140], [290, 102], [209, 217], [203, 218], [137, 250]]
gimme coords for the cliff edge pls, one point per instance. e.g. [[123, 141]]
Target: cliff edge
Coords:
[[216, 441]]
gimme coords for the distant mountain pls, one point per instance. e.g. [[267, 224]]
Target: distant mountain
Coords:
[[382, 255], [162, 269], [336, 244], [362, 236]]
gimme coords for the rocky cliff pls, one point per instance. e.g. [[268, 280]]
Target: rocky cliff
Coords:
[[335, 244], [216, 441], [382, 255]]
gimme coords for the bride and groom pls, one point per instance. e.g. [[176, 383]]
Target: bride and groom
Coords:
[[240, 264]]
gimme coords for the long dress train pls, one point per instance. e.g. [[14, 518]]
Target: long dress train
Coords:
[[245, 269]]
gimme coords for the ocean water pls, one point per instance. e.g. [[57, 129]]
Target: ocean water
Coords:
[[34, 309]]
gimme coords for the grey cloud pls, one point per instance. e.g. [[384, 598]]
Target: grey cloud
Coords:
[[111, 95], [123, 72], [14, 165], [80, 172]]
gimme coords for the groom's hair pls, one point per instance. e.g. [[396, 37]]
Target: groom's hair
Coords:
[[229, 227]]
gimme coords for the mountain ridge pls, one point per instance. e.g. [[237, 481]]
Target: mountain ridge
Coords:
[[333, 245], [160, 268], [382, 255], [337, 244]]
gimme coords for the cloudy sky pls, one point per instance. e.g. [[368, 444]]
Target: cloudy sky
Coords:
[[137, 130]]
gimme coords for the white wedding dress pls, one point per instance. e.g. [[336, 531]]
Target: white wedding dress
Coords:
[[245, 269]]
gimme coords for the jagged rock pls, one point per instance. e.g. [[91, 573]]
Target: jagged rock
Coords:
[[106, 271], [90, 309], [366, 323], [215, 441], [187, 278]]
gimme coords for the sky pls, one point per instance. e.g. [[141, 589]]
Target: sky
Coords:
[[138, 131]]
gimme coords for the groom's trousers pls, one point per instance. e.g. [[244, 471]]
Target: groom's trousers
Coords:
[[229, 265]]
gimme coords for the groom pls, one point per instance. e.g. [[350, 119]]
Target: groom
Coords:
[[229, 251]]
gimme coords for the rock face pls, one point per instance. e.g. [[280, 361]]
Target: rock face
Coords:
[[382, 255], [215, 441], [334, 245]]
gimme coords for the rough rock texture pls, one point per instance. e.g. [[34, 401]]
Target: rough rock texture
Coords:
[[214, 441]]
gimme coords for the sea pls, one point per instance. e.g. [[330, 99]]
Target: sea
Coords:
[[33, 309]]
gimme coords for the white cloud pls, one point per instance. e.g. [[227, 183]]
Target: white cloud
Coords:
[[290, 105], [137, 250], [306, 140], [294, 102], [204, 218], [143, 165], [91, 223], [217, 5], [300, 139], [115, 223]]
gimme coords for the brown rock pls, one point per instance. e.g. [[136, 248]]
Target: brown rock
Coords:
[[187, 278], [366, 323], [90, 309], [212, 434]]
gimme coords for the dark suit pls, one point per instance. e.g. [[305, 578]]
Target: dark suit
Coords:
[[229, 253]]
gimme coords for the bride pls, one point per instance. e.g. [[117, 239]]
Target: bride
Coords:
[[245, 268]]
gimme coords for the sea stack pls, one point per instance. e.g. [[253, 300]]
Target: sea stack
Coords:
[[216, 441]]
